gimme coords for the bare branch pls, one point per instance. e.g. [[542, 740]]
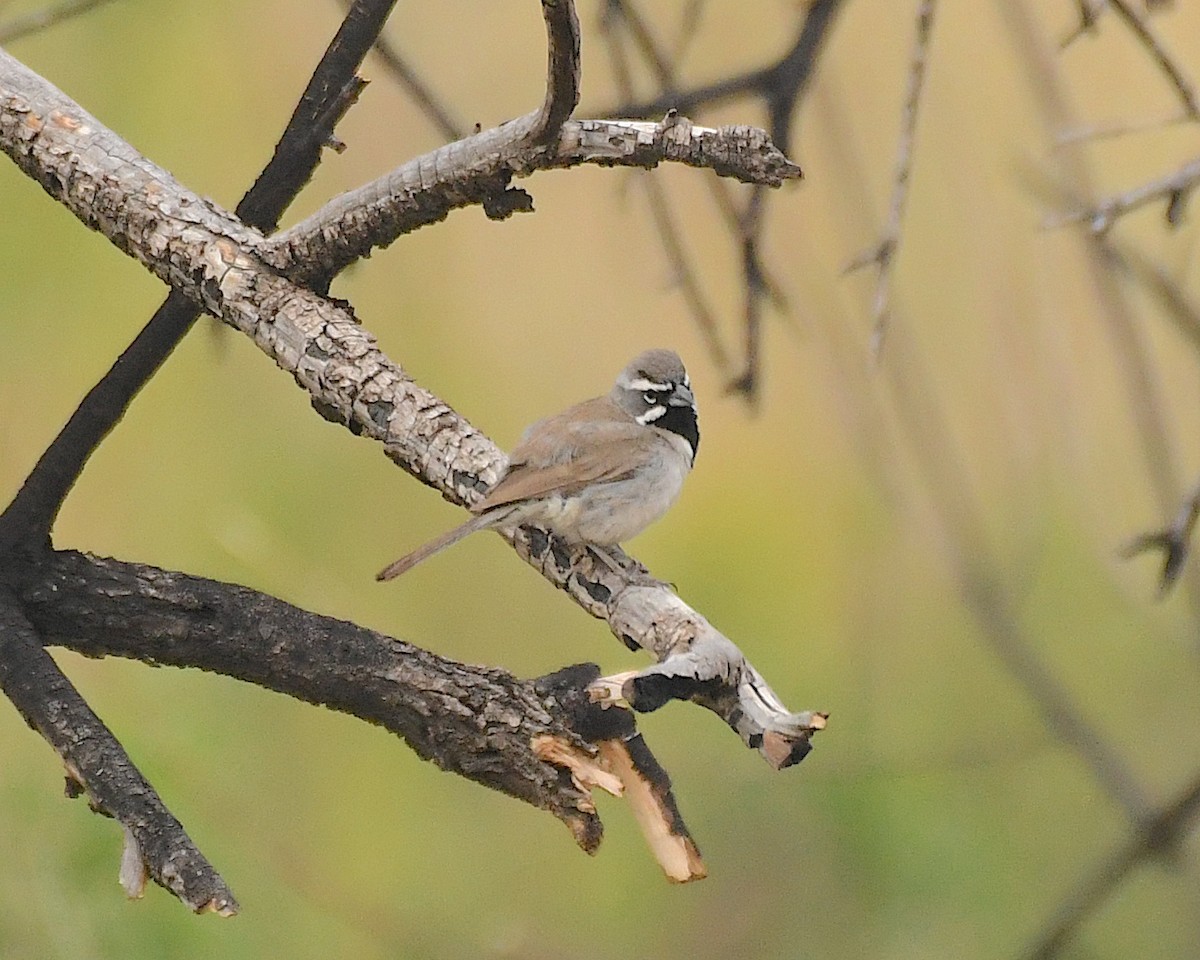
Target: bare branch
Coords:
[[46, 17], [562, 83], [682, 271], [780, 85], [212, 258], [417, 89], [98, 766], [1089, 13], [883, 254], [1162, 833], [479, 169], [330, 92], [1173, 540], [670, 235], [1173, 189], [478, 722], [1158, 53]]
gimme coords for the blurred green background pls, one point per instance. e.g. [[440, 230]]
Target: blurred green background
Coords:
[[828, 532]]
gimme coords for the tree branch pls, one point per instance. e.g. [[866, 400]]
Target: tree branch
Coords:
[[1174, 189], [883, 254], [98, 766], [562, 81], [1158, 53], [478, 722], [480, 168], [331, 91], [1161, 833], [417, 89], [154, 839], [48, 16], [212, 258], [780, 86]]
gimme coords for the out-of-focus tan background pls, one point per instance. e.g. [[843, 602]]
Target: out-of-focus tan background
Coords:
[[1023, 390]]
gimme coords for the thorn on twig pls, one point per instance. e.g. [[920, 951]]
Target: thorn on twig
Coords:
[[1176, 207], [1174, 541], [1174, 549], [1089, 13]]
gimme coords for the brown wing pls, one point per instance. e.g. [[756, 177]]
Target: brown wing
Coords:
[[589, 443]]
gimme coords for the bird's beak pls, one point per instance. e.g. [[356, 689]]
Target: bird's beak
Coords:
[[682, 397]]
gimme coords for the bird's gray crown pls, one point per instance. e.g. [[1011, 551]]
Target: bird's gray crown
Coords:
[[655, 390]]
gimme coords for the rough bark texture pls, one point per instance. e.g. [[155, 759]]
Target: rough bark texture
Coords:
[[481, 723], [475, 721], [52, 706], [211, 257], [479, 170]]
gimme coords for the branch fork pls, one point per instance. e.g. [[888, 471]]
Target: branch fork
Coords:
[[270, 288]]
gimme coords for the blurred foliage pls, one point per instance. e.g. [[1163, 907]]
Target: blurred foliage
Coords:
[[937, 815]]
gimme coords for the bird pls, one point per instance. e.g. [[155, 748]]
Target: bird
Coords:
[[601, 471]]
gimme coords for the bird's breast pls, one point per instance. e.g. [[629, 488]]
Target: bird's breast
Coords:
[[613, 512]]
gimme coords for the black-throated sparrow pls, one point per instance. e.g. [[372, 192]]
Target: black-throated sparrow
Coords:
[[601, 471]]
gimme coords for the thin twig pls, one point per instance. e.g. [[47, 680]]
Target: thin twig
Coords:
[[1095, 134], [683, 274], [689, 29], [1160, 456], [419, 91], [1158, 52], [1174, 539], [781, 81], [670, 235], [1161, 833], [1089, 13], [781, 86], [1173, 189], [30, 516], [883, 254], [46, 17]]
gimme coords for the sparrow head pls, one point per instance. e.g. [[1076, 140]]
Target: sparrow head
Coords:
[[655, 390]]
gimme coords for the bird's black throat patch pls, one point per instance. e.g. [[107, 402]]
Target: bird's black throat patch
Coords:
[[683, 421]]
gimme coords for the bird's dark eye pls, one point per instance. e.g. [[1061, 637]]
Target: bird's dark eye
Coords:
[[650, 398]]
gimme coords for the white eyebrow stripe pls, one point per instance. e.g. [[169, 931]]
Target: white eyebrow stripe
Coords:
[[642, 383]]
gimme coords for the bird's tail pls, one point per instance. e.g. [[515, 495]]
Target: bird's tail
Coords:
[[448, 539]]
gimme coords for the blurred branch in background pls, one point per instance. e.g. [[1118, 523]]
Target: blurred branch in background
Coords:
[[1174, 190], [781, 87], [415, 87], [46, 17], [1152, 829], [1165, 62], [154, 838], [883, 253], [1160, 836], [216, 261]]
